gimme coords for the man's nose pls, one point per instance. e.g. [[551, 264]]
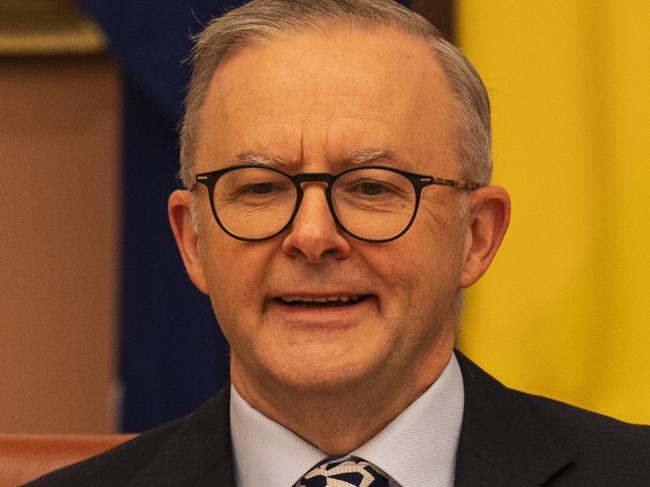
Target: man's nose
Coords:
[[313, 233]]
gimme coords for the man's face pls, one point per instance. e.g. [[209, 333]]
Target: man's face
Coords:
[[311, 101]]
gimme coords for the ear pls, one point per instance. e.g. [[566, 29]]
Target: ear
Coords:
[[180, 218], [489, 215]]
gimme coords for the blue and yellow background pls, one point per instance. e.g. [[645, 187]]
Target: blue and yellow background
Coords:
[[91, 279]]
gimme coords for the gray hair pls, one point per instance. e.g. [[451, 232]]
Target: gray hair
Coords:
[[265, 20]]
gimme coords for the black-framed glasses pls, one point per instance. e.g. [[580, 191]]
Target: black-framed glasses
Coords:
[[371, 203]]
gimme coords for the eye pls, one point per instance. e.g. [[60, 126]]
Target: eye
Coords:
[[253, 186], [266, 188], [370, 188], [260, 188]]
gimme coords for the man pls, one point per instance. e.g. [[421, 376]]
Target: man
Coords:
[[336, 159]]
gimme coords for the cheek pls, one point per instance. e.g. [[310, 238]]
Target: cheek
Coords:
[[234, 287], [234, 273], [218, 261], [422, 268]]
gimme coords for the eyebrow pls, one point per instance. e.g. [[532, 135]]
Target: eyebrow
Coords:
[[371, 155], [260, 158]]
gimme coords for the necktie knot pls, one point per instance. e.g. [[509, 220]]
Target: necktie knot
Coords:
[[350, 472]]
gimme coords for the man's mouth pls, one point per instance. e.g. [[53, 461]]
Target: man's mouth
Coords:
[[321, 302]]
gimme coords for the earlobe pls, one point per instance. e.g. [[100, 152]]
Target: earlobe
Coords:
[[489, 216], [180, 219]]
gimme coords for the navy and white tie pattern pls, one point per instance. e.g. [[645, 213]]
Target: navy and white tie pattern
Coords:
[[350, 472]]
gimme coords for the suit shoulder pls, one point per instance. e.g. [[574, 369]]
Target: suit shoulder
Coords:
[[545, 441], [604, 443], [566, 420], [581, 423], [115, 466], [175, 453]]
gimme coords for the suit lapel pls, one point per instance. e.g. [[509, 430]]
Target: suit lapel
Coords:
[[503, 442], [199, 454]]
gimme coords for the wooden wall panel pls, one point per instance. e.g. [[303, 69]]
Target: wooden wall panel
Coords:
[[59, 243]]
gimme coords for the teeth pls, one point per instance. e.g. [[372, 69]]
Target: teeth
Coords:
[[329, 299]]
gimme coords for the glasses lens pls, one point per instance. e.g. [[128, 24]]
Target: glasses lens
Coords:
[[375, 204], [254, 203]]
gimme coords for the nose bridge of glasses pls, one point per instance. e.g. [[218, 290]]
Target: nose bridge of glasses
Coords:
[[314, 177], [320, 179]]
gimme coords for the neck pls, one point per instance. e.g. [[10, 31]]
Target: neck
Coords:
[[342, 418]]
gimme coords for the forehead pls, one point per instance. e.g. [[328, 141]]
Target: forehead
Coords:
[[312, 98]]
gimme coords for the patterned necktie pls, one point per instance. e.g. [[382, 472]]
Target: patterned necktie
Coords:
[[350, 472]]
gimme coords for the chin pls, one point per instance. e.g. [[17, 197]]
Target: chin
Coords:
[[319, 373]]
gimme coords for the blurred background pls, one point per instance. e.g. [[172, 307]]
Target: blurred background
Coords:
[[100, 329]]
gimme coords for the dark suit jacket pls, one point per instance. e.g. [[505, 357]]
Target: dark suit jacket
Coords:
[[507, 439]]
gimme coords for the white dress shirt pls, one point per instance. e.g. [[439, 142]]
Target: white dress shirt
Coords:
[[417, 448]]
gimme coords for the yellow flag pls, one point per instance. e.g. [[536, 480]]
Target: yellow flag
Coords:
[[565, 309]]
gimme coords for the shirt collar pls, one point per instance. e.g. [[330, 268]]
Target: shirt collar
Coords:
[[417, 448]]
